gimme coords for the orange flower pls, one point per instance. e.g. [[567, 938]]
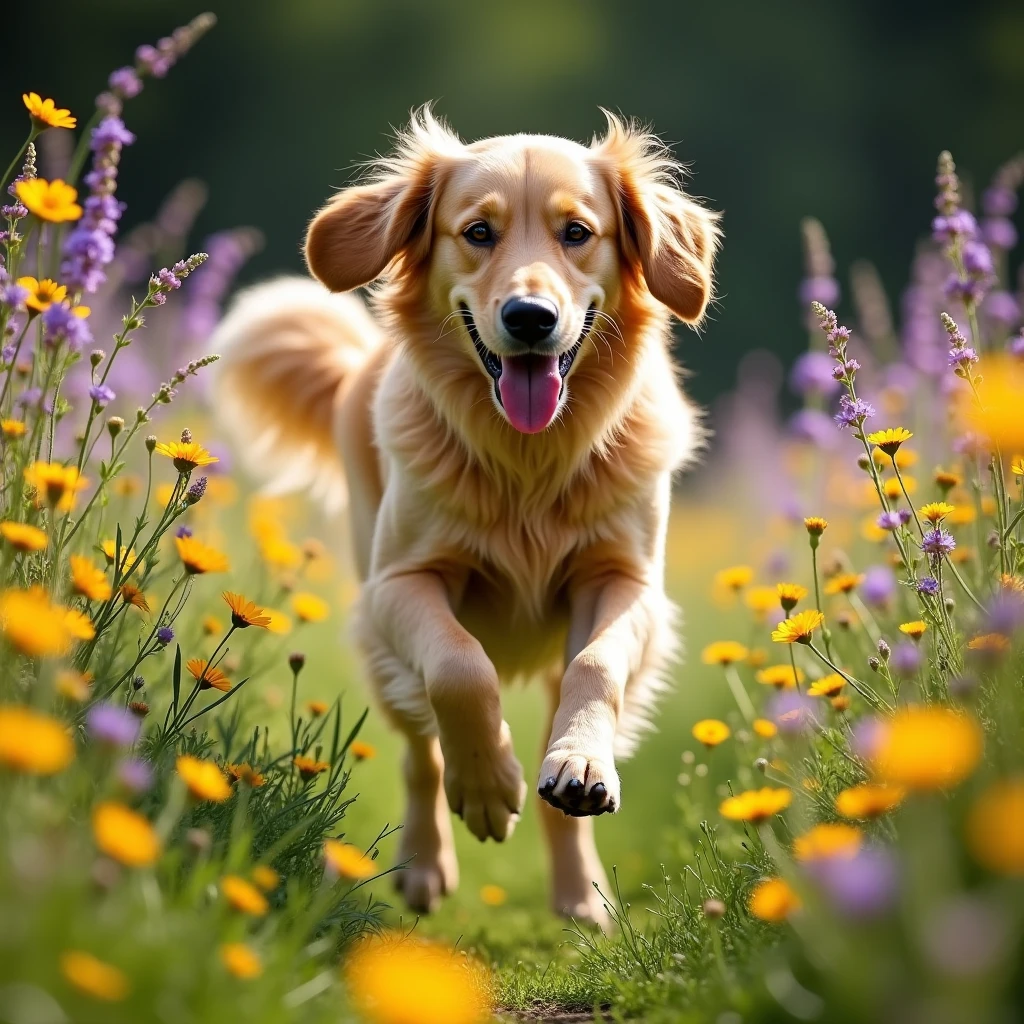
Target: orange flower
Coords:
[[125, 835], [46, 113], [773, 900], [244, 613], [927, 747], [756, 805], [867, 801], [207, 676], [724, 652], [309, 767], [362, 751], [204, 779], [348, 861], [32, 743], [243, 896], [53, 201]]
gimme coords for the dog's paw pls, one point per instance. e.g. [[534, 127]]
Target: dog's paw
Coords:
[[484, 785], [426, 880], [578, 783]]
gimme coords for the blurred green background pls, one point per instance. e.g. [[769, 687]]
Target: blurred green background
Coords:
[[784, 109]]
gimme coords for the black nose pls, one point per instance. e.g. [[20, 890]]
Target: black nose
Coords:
[[529, 319]]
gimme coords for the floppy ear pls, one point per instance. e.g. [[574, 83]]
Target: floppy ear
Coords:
[[366, 228]]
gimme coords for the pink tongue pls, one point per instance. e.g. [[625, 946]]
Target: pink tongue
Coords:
[[529, 388]]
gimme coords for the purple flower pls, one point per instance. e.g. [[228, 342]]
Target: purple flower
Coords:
[[183, 531], [999, 201], [793, 712], [135, 774], [853, 412], [30, 397], [1016, 346], [101, 394], [999, 233], [164, 635], [866, 734], [938, 542], [906, 658], [928, 585], [878, 585], [110, 133], [61, 324], [13, 296], [889, 521], [114, 725], [819, 289], [863, 885], [978, 259], [1005, 613], [814, 426], [812, 374], [959, 224], [125, 82], [967, 291], [196, 491], [1002, 307]]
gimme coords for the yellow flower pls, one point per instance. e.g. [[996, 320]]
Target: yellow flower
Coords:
[[265, 877], [781, 677], [198, 557], [362, 751], [32, 624], [127, 486], [347, 860], [824, 842], [757, 657], [53, 201], [400, 979], [280, 552], [765, 728], [132, 595], [279, 623], [936, 511], [125, 835], [204, 779], [308, 767], [773, 900], [55, 484], [240, 960], [186, 455], [46, 113], [946, 480], [1011, 583], [317, 708], [926, 748], [989, 643], [889, 440], [905, 458], [245, 773], [869, 528], [32, 743], [88, 579], [868, 801], [23, 536], [1017, 465], [243, 896], [999, 417], [915, 630], [212, 625], [710, 732], [94, 977], [244, 613], [799, 628], [815, 525], [309, 607], [756, 805], [109, 549], [723, 652], [78, 624], [735, 578], [995, 827], [962, 515], [844, 583], [826, 686], [42, 294], [760, 600], [790, 595], [73, 685], [841, 703], [893, 490], [492, 895], [12, 428]]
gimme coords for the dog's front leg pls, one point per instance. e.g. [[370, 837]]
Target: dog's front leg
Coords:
[[609, 631], [482, 778]]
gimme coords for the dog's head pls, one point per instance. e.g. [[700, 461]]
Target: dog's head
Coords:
[[518, 254]]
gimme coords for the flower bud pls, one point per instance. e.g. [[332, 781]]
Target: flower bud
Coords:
[[96, 357], [196, 491], [138, 683], [761, 764], [874, 664], [714, 909], [950, 605], [864, 462], [115, 425], [186, 436], [151, 442], [141, 416], [296, 660], [883, 650]]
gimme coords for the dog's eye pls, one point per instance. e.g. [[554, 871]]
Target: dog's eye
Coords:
[[479, 234], [576, 233]]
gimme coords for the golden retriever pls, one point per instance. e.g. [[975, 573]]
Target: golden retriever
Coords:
[[509, 421]]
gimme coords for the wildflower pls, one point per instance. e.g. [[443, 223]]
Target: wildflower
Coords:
[[280, 552], [132, 595], [348, 861], [764, 728], [926, 748], [309, 607], [41, 294], [894, 489], [761, 600], [111, 724], [1016, 466], [937, 542], [200, 558], [394, 979], [53, 201], [240, 960], [205, 781], [826, 841], [244, 613], [279, 623], [780, 676], [710, 732], [94, 977], [773, 900], [46, 113], [32, 624], [207, 675], [826, 686], [88, 579], [23, 536], [265, 877], [799, 628], [195, 491], [853, 412], [928, 585], [843, 583], [186, 456], [935, 511], [54, 483], [999, 416], [946, 480], [12, 428], [169, 279], [245, 773], [212, 625], [164, 635], [995, 827], [890, 439], [906, 659], [861, 885], [73, 685], [32, 743], [756, 805], [109, 549], [815, 525], [317, 708], [841, 703], [362, 751], [135, 774], [493, 895], [243, 896], [790, 595], [309, 767], [989, 643], [904, 458], [915, 630], [735, 578], [125, 835], [60, 323], [868, 801], [723, 652]]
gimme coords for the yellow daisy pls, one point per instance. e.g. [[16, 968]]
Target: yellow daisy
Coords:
[[125, 835], [764, 728], [94, 977], [53, 201], [799, 628], [42, 294], [88, 579], [243, 896], [12, 429], [790, 595], [309, 607], [46, 113], [843, 583], [244, 613], [32, 743], [868, 801], [207, 676], [23, 536], [198, 557], [710, 732], [826, 686], [936, 511], [724, 652], [309, 767], [734, 578], [347, 860], [915, 630], [756, 805], [773, 900], [33, 624], [204, 779], [240, 960], [781, 677], [186, 455], [890, 439], [815, 525], [824, 842]]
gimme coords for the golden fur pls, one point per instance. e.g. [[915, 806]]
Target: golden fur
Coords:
[[487, 553]]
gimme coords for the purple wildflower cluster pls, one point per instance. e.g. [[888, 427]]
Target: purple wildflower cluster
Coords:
[[61, 323], [853, 411], [169, 279], [961, 355], [938, 543], [893, 520]]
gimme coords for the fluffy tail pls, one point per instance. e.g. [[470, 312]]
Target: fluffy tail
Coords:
[[286, 348]]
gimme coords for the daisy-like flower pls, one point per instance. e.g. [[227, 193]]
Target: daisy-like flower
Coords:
[[32, 624], [132, 595], [815, 525], [310, 608], [23, 536], [244, 613], [12, 429], [279, 623], [841, 703], [724, 652], [893, 489], [826, 686], [125, 835], [73, 685], [348, 861], [946, 480], [764, 728], [53, 201], [109, 549], [240, 960], [989, 643], [362, 751], [904, 458], [32, 743], [828, 841], [41, 294], [78, 624], [760, 600], [936, 511], [93, 977], [711, 732], [317, 708], [212, 625], [245, 773], [207, 676], [493, 895], [773, 900], [844, 583], [890, 439], [1017, 465], [186, 455], [88, 579], [926, 748], [798, 628], [734, 578], [46, 113], [55, 484], [915, 630], [280, 552], [789, 595], [782, 677], [868, 801], [198, 557], [309, 767], [756, 805], [265, 877], [938, 542], [853, 412], [204, 779], [243, 896], [994, 834]]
